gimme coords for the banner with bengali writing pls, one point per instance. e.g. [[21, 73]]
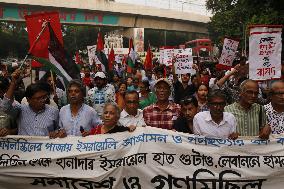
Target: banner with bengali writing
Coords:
[[146, 158], [265, 47], [230, 48], [183, 61]]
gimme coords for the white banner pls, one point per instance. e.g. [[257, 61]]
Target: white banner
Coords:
[[120, 51], [265, 53], [183, 61], [228, 55], [147, 158], [92, 53]]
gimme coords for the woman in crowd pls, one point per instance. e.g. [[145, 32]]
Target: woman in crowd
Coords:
[[201, 96], [189, 108], [119, 96], [110, 118], [146, 97]]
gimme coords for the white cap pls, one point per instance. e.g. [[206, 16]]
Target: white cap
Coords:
[[100, 75]]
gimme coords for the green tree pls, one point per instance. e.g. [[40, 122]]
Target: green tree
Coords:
[[232, 17]]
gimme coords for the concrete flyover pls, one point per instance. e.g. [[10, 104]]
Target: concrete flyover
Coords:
[[107, 13]]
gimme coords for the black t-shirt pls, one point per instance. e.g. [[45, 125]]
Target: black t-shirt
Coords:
[[180, 92], [181, 125]]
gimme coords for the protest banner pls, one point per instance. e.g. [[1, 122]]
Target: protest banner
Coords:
[[166, 56], [146, 158], [92, 53], [265, 47], [228, 55], [183, 61]]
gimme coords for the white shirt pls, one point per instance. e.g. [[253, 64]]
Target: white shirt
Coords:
[[204, 125], [127, 120]]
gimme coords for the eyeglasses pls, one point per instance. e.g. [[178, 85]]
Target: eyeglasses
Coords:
[[41, 98], [217, 104], [131, 102], [249, 92], [161, 89], [278, 93]]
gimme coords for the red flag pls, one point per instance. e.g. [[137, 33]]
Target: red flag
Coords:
[[148, 61], [100, 42], [130, 45], [111, 59], [34, 24], [78, 58]]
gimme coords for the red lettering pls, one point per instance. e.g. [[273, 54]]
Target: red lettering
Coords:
[[63, 16]]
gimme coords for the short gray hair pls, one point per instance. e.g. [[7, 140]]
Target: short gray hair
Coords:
[[117, 109], [244, 83]]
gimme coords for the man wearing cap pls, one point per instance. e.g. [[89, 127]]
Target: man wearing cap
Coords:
[[101, 93], [163, 113]]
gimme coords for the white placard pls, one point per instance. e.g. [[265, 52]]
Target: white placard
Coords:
[[183, 61], [91, 53], [228, 55], [265, 54]]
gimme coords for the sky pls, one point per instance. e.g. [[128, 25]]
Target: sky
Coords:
[[194, 6]]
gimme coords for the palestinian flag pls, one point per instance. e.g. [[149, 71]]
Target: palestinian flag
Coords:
[[131, 56], [101, 57], [59, 61]]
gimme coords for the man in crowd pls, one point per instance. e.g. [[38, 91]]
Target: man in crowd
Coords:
[[101, 93], [251, 117], [37, 118], [8, 123], [77, 118], [183, 88], [150, 79], [275, 109], [215, 122], [131, 115], [163, 113]]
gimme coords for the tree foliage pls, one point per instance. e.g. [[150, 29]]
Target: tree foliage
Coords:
[[232, 17]]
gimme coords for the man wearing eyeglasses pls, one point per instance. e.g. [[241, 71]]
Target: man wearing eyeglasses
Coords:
[[163, 113], [37, 118], [131, 115], [250, 116], [215, 122], [275, 109]]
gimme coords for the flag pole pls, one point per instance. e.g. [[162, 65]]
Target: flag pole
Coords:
[[53, 82], [44, 25]]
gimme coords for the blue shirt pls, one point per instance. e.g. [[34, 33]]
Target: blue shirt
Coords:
[[87, 118], [30, 122]]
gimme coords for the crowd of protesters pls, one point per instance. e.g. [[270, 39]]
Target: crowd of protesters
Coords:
[[211, 103]]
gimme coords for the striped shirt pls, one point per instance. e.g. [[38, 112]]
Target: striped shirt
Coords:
[[248, 120], [30, 122], [155, 117]]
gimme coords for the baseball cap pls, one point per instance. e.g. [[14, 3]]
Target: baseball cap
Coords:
[[163, 80], [100, 75]]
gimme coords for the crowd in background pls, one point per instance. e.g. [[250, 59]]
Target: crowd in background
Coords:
[[212, 102]]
